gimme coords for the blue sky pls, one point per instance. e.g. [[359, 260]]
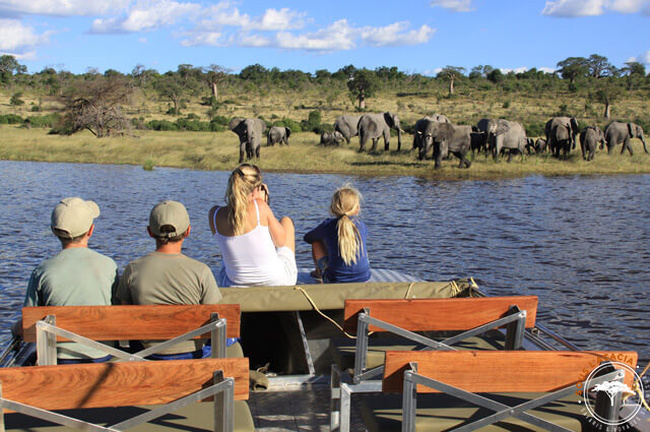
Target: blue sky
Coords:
[[416, 36]]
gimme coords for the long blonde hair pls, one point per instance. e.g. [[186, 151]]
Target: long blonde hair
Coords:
[[241, 184], [346, 202]]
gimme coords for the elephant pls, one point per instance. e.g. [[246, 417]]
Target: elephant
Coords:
[[561, 134], [447, 138], [347, 125], [250, 132], [417, 135], [374, 126], [331, 138], [589, 139], [540, 146], [509, 135], [489, 128], [622, 132], [278, 134]]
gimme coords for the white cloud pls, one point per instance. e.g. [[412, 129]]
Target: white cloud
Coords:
[[454, 5], [283, 19], [146, 15], [15, 37], [61, 7], [396, 35], [578, 8], [254, 41], [338, 36], [643, 58], [546, 69]]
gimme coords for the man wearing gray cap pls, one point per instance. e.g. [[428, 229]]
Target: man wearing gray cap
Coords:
[[76, 276], [166, 276]]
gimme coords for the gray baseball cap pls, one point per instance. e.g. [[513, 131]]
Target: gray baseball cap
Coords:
[[73, 217], [171, 213]]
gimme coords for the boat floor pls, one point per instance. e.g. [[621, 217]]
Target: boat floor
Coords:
[[297, 408]]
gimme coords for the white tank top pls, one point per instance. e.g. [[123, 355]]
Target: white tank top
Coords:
[[250, 258]]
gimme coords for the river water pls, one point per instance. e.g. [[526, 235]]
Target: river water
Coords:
[[582, 244]]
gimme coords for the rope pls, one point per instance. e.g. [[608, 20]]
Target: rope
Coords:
[[637, 387], [313, 304]]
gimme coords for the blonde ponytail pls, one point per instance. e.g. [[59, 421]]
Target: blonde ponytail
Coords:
[[346, 202], [241, 184]]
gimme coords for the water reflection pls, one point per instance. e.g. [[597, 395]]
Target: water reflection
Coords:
[[580, 243]]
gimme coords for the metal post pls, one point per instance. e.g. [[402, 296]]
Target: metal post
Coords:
[[2, 413], [361, 348], [218, 338], [45, 342], [335, 398], [515, 330], [224, 410], [409, 400], [346, 407], [609, 408]]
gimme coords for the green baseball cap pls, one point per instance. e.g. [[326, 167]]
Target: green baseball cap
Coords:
[[171, 214], [73, 217]]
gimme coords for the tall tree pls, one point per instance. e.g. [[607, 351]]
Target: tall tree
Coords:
[[10, 66], [451, 74], [572, 68], [363, 85], [215, 75], [598, 66], [170, 88], [607, 92]]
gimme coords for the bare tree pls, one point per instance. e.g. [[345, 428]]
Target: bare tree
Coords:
[[96, 105]]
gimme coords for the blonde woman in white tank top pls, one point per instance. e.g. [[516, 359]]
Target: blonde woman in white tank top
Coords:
[[256, 248]]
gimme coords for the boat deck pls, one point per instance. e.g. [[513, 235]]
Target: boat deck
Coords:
[[296, 408]]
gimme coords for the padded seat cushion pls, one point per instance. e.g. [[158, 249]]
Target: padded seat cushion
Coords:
[[342, 349], [441, 412], [194, 417]]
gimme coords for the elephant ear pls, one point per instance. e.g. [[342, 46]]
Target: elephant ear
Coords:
[[445, 131], [288, 131], [390, 119], [235, 123], [262, 124], [574, 124], [503, 127]]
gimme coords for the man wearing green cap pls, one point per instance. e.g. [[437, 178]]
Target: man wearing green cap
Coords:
[[76, 276], [166, 276]]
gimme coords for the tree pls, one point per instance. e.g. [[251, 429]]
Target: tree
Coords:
[[215, 75], [572, 68], [96, 105], [363, 85], [170, 88], [495, 76], [598, 66], [10, 66], [607, 93], [634, 73], [450, 74]]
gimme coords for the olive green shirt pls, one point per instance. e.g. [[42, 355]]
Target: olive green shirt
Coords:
[[159, 278], [73, 277]]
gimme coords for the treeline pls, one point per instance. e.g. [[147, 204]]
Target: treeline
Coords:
[[107, 95]]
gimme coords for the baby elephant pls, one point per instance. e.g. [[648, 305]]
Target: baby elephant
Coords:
[[331, 138], [589, 139]]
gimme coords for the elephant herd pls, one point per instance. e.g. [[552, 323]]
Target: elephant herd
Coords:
[[436, 136]]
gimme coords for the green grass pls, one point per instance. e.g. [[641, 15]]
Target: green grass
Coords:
[[220, 151]]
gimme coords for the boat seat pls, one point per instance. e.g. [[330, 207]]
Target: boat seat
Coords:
[[92, 325], [142, 396], [524, 390], [421, 324], [342, 350]]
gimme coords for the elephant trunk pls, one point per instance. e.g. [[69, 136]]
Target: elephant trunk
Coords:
[[643, 141], [399, 139]]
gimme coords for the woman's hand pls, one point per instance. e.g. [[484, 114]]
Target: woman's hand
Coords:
[[262, 192]]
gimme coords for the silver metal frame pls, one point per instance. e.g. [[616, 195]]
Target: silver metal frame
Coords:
[[47, 332], [223, 391], [342, 385], [501, 411]]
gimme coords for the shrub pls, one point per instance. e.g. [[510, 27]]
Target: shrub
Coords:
[[50, 120], [220, 120], [162, 125], [534, 128], [16, 99], [11, 119], [291, 124]]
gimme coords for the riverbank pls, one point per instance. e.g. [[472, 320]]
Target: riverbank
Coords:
[[220, 151]]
